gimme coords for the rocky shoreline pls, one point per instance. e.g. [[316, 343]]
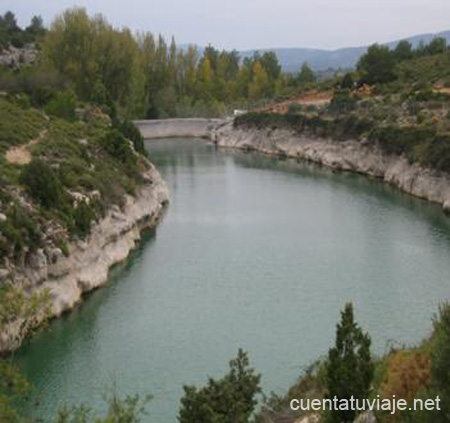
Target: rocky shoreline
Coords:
[[88, 262], [350, 155]]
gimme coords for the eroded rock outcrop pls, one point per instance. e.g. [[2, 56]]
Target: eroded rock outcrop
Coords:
[[15, 58], [86, 266]]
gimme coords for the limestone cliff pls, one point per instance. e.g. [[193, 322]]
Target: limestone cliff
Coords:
[[87, 264]]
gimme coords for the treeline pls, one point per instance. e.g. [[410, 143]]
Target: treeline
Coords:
[[378, 65], [12, 34], [422, 144], [144, 76]]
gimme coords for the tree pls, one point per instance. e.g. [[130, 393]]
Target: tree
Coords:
[[440, 360], [231, 399], [36, 26], [377, 65], [350, 367], [271, 65], [306, 74], [259, 86], [95, 57], [403, 51], [437, 46], [10, 22]]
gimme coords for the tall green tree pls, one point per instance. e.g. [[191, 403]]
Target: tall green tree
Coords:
[[403, 51], [306, 74], [437, 45], [231, 399], [377, 65], [350, 367]]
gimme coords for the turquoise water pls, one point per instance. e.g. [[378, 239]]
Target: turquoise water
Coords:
[[256, 253]]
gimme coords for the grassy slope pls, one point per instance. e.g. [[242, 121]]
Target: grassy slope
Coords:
[[77, 154]]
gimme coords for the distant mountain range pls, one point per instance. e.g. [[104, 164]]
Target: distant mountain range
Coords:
[[292, 59]]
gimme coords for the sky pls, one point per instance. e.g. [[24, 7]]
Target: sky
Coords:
[[256, 24]]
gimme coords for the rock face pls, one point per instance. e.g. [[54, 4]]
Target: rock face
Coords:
[[349, 155], [15, 58], [86, 267]]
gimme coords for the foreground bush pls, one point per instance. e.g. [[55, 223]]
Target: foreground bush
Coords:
[[230, 399], [42, 184]]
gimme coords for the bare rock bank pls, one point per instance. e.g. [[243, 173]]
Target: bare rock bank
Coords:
[[86, 267], [351, 155]]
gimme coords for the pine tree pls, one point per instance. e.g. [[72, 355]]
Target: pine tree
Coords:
[[306, 74], [350, 368]]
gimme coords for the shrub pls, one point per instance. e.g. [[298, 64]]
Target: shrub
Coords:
[[42, 184], [408, 373], [129, 130], [347, 81], [83, 217], [115, 144], [62, 105], [294, 108], [230, 399], [396, 140], [342, 101]]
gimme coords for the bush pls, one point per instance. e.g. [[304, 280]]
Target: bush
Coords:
[[342, 101], [294, 108], [42, 184], [393, 139], [62, 105], [83, 217], [118, 147], [437, 153], [40, 85], [230, 399], [129, 130]]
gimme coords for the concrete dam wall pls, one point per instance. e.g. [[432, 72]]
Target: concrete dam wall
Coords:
[[172, 128]]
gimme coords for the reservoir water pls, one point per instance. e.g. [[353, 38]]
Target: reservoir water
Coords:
[[253, 252]]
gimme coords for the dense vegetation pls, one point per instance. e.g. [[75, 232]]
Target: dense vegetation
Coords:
[[12, 34], [404, 111], [141, 75], [74, 169]]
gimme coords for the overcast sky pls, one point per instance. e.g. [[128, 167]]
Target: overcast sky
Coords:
[[245, 24]]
